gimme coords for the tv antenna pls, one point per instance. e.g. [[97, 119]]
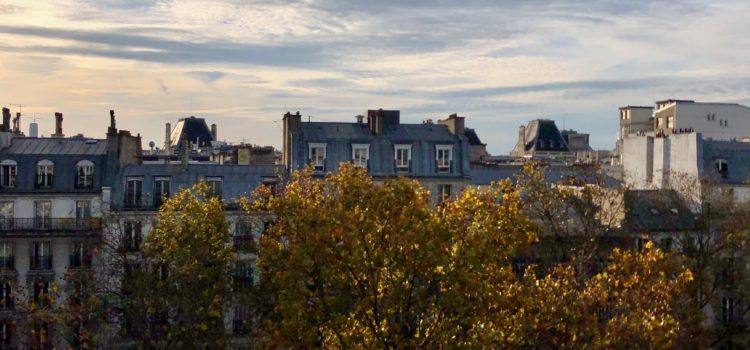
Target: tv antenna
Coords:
[[18, 105]]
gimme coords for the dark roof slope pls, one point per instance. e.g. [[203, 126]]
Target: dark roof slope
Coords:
[[471, 134], [56, 146], [657, 210], [192, 129], [356, 131]]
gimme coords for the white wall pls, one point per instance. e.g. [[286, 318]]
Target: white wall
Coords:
[[693, 115], [637, 160]]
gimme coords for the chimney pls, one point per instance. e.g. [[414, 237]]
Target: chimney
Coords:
[[58, 125], [292, 124], [6, 119], [360, 119], [522, 134], [454, 123], [214, 132], [112, 125], [167, 133], [185, 153], [17, 123]]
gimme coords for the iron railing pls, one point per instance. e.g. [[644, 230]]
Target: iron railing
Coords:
[[41, 262], [50, 224]]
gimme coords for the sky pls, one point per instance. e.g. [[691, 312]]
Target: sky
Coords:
[[242, 64]]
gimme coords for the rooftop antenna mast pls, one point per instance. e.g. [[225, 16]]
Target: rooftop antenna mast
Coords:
[[18, 105]]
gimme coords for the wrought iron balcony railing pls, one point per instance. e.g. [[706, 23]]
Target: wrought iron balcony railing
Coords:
[[50, 224]]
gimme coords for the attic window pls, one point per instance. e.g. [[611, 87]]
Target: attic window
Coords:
[[653, 211], [722, 167]]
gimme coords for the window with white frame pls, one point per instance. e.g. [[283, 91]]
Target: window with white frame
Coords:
[[360, 154], [85, 174], [42, 214], [44, 171], [444, 191], [670, 122], [444, 158], [403, 158], [161, 189], [317, 155], [659, 122], [723, 167], [133, 191], [214, 186], [8, 173]]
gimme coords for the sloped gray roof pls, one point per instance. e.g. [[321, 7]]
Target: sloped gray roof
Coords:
[[356, 131], [57, 146], [657, 210], [737, 156]]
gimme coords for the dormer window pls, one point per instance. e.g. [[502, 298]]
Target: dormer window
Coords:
[[317, 155], [8, 173], [403, 158], [85, 174], [444, 158], [360, 154], [44, 170], [723, 167]]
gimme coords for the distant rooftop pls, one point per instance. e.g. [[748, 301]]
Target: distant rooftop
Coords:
[[57, 146]]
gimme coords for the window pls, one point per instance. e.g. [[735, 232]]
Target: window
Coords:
[[41, 256], [271, 182], [723, 168], [444, 191], [6, 216], [727, 310], [8, 173], [670, 122], [83, 214], [403, 158], [239, 324], [6, 256], [161, 190], [133, 192], [41, 292], [132, 236], [214, 186], [659, 122], [79, 255], [317, 155], [360, 155], [44, 170], [85, 174], [42, 215], [244, 275], [444, 158], [7, 334]]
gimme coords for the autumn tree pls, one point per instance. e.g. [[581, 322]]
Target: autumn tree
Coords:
[[354, 263], [178, 294]]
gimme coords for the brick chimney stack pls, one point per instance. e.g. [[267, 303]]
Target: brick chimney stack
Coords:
[[112, 124], [454, 123], [6, 119], [292, 126], [58, 125], [17, 123], [214, 131]]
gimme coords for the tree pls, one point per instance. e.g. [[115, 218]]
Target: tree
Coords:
[[354, 263], [182, 285]]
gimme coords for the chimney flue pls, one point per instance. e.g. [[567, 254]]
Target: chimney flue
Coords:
[[17, 123], [58, 124], [6, 119], [360, 118], [214, 132]]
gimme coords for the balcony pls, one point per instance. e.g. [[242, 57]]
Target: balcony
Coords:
[[239, 327], [134, 201], [444, 167], [78, 261], [41, 262], [402, 167], [7, 263], [50, 224]]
